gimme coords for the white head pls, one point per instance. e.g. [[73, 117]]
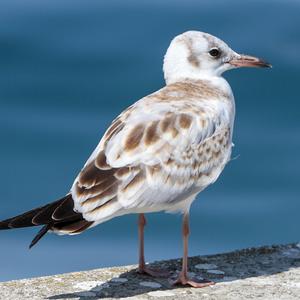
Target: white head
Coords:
[[195, 54]]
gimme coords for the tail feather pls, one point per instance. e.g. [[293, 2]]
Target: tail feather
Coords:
[[57, 216]]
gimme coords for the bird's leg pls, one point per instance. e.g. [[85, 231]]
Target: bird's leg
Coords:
[[143, 269], [183, 278], [142, 224]]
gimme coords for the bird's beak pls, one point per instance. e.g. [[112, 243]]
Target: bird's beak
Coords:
[[249, 61]]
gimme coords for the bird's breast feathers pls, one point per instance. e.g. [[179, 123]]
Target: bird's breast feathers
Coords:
[[160, 151]]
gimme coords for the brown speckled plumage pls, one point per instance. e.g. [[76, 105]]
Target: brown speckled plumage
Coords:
[[159, 153]]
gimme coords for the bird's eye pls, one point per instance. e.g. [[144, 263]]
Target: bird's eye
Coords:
[[214, 52]]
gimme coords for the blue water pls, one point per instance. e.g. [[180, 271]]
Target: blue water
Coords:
[[68, 67]]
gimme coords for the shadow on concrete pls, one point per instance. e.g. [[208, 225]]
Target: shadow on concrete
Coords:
[[236, 265]]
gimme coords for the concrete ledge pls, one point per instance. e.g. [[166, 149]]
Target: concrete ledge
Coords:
[[271, 272]]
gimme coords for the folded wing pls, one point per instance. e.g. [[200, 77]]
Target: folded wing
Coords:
[[153, 153]]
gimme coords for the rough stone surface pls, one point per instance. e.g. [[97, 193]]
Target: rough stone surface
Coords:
[[271, 272]]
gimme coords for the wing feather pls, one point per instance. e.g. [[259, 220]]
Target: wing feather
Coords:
[[152, 154]]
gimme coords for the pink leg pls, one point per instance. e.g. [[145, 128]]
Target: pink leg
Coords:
[[143, 269], [183, 278]]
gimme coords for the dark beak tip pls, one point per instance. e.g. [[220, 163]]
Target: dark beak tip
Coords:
[[250, 61]]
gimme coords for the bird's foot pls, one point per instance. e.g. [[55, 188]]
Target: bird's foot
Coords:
[[153, 272], [184, 280]]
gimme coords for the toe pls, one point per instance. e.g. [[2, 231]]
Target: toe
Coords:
[[196, 284], [185, 281]]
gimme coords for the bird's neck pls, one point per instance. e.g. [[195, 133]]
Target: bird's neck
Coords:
[[218, 82], [176, 69]]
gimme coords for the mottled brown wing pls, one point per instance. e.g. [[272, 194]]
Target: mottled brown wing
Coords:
[[156, 151], [142, 150]]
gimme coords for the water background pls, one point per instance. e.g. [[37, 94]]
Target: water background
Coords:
[[68, 67]]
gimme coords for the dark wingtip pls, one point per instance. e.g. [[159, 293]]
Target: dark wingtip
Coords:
[[65, 210], [4, 225], [39, 235]]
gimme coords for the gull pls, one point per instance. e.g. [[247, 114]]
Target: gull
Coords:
[[159, 153]]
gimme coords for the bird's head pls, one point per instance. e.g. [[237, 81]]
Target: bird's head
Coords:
[[195, 54]]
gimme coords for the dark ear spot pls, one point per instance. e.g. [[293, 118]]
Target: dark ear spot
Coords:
[[192, 59]]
